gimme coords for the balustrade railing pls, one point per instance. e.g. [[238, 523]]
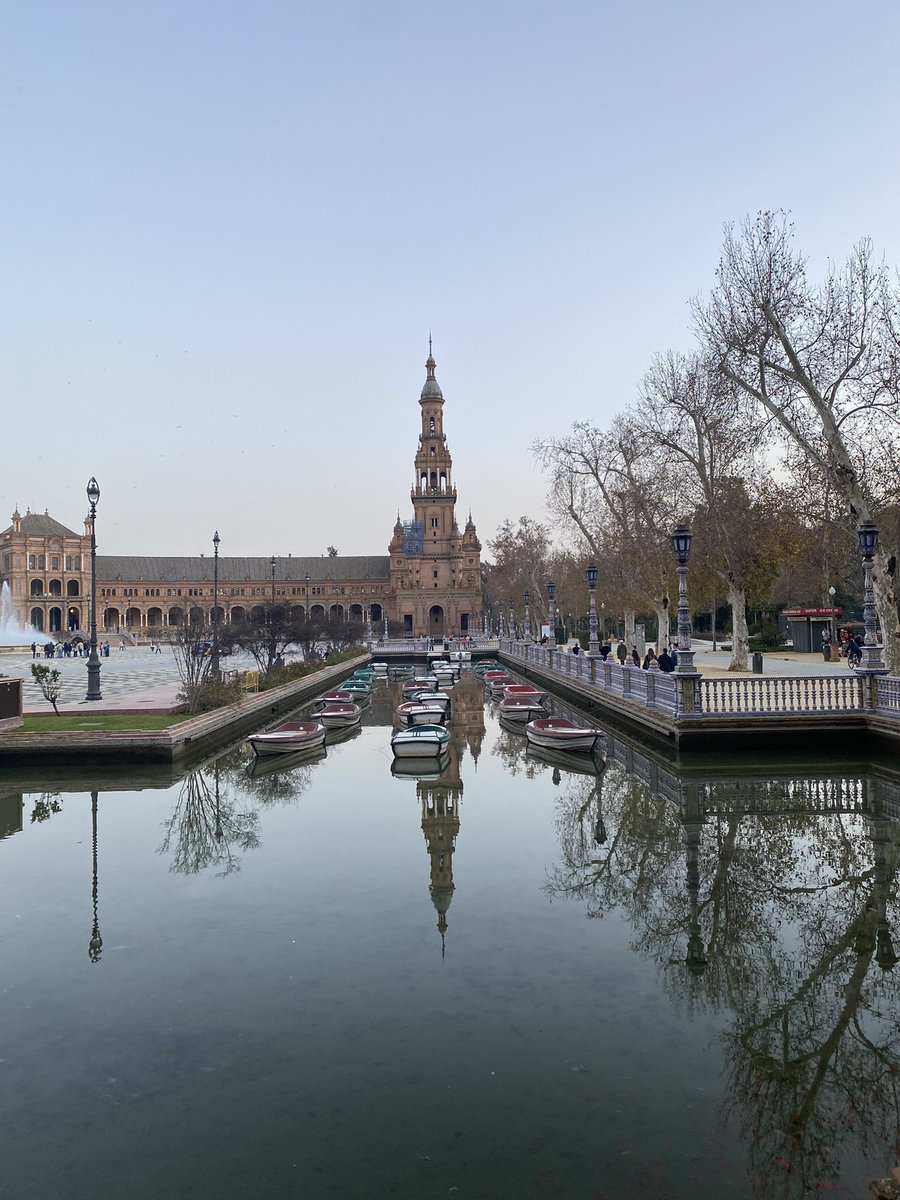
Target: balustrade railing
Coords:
[[770, 695]]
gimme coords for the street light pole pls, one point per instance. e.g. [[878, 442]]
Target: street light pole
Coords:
[[214, 665], [93, 666], [272, 564], [681, 544], [871, 652], [593, 643], [551, 593], [527, 599]]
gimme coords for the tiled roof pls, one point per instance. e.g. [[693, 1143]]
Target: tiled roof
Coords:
[[133, 567], [42, 525]]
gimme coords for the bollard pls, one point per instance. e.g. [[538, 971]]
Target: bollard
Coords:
[[757, 666]]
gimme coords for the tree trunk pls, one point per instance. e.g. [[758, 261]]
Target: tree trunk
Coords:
[[629, 629], [740, 644], [888, 610], [662, 625]]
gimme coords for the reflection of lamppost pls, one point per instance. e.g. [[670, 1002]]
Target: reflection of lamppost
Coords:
[[681, 544], [385, 625], [871, 651], [93, 666], [593, 643], [551, 592], [214, 665], [95, 946], [527, 599]]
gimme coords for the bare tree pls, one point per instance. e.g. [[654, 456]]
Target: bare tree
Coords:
[[190, 646], [821, 363], [698, 422]]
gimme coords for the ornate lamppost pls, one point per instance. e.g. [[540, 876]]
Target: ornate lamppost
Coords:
[[385, 625], [93, 665], [369, 624], [593, 643], [511, 624], [214, 665], [681, 544], [551, 593], [871, 651], [527, 599], [272, 563]]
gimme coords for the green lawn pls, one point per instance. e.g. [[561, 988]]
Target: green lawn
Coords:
[[79, 723]]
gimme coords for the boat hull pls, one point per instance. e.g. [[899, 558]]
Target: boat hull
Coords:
[[299, 735], [423, 741], [558, 734]]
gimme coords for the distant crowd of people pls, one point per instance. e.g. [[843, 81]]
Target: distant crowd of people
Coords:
[[76, 649], [665, 661]]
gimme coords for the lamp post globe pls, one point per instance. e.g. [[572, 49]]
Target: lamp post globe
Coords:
[[93, 664]]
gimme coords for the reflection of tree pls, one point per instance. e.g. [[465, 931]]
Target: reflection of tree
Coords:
[[45, 806], [508, 747], [785, 921], [284, 784], [208, 826]]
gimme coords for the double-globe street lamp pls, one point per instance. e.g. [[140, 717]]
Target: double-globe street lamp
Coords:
[[93, 665], [593, 643]]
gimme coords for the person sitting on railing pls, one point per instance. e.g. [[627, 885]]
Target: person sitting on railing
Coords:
[[666, 662], [649, 660]]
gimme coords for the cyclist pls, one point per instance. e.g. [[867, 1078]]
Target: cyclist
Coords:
[[854, 653]]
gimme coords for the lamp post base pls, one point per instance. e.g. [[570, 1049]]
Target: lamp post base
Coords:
[[93, 673]]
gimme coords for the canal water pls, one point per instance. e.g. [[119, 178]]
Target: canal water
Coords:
[[508, 977]]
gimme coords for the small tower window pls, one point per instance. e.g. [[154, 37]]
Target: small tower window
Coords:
[[431, 424]]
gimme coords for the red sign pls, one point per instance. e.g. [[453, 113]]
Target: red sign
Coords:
[[811, 612]]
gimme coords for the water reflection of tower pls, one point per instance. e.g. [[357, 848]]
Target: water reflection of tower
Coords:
[[440, 798]]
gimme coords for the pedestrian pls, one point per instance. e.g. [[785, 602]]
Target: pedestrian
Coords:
[[621, 652], [635, 657], [666, 662], [649, 660], [576, 649], [34, 649]]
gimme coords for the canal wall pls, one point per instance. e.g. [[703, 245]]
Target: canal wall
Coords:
[[181, 743], [660, 717]]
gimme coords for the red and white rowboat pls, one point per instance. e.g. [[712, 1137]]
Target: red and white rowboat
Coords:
[[556, 733]]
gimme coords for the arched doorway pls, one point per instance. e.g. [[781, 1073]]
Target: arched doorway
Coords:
[[37, 619], [111, 619], [238, 615], [55, 616], [336, 612], [436, 621], [154, 617], [73, 619]]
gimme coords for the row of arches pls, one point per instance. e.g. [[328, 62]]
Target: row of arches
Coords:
[[55, 588], [54, 619]]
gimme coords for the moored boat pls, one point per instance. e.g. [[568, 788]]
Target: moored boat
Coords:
[[289, 738], [420, 714], [524, 690], [340, 696], [338, 716], [420, 741], [521, 709], [439, 699], [561, 734], [380, 669]]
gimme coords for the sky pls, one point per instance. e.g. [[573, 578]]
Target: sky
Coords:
[[229, 228]]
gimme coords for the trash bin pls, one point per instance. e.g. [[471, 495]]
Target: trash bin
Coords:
[[757, 663]]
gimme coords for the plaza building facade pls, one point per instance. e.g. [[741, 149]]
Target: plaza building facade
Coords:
[[429, 583]]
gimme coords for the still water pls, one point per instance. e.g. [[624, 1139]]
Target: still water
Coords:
[[519, 979]]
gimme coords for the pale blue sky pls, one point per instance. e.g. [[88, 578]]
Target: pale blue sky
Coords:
[[228, 228]]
